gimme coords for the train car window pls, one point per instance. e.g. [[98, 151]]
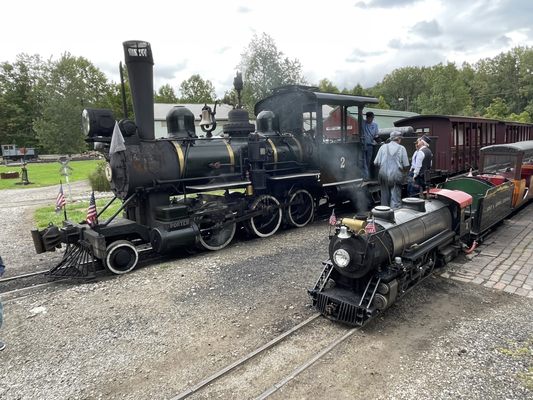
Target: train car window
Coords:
[[498, 162], [309, 121], [338, 125]]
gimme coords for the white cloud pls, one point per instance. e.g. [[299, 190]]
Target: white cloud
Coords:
[[348, 42]]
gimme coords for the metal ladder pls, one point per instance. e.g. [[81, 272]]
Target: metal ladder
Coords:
[[324, 277], [370, 291]]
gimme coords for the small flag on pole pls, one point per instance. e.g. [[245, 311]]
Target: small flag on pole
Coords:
[[117, 141], [60, 199], [332, 218], [370, 227], [92, 216]]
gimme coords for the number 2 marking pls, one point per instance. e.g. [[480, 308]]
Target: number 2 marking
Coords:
[[343, 162]]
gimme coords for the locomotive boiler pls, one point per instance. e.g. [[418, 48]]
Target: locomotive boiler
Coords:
[[186, 191]]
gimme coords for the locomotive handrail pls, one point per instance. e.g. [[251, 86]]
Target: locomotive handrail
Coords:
[[343, 182], [110, 219], [428, 245], [171, 181], [220, 186], [293, 176], [106, 206]]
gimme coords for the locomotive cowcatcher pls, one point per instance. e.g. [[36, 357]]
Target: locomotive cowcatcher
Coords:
[[187, 191], [374, 260]]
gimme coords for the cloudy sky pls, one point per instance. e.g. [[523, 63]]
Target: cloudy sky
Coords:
[[346, 41]]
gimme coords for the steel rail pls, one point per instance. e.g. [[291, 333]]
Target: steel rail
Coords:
[[274, 388], [14, 278], [242, 360]]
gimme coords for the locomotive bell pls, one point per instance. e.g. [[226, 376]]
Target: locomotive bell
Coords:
[[206, 119]]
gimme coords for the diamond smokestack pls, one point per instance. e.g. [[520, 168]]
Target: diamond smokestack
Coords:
[[140, 64]]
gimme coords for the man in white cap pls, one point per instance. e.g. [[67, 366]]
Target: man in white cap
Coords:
[[392, 162]]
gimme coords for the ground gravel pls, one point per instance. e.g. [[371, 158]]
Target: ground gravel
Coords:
[[154, 332]]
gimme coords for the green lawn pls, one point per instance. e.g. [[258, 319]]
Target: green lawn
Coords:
[[76, 212], [47, 174]]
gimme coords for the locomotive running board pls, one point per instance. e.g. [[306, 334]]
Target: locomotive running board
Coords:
[[78, 262]]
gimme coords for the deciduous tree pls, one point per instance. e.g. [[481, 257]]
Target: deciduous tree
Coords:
[[197, 90], [325, 85], [73, 83], [165, 94], [265, 68]]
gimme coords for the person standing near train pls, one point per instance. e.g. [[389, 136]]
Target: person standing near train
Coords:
[[393, 163], [370, 134], [2, 269], [419, 172]]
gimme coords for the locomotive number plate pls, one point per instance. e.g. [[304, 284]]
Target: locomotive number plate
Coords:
[[179, 223], [108, 172]]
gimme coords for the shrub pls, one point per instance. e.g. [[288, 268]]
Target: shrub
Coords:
[[98, 180]]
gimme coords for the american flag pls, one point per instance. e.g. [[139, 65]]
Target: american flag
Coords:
[[370, 227], [91, 212], [332, 218], [60, 199]]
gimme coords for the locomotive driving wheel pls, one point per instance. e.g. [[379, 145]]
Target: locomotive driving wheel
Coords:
[[301, 208], [216, 230], [268, 216]]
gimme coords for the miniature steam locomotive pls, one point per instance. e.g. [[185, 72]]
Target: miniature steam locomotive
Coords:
[[190, 191], [376, 259]]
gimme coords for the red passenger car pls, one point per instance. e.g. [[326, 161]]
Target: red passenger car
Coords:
[[456, 140]]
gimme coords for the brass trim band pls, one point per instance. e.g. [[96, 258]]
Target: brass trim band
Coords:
[[181, 157], [274, 150], [231, 155]]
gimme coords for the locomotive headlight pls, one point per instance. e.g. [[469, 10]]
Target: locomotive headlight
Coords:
[[97, 122], [341, 258], [85, 122]]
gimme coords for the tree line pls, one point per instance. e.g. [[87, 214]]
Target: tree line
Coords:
[[41, 100]]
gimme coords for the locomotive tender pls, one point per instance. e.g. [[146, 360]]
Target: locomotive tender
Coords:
[[187, 191], [376, 260]]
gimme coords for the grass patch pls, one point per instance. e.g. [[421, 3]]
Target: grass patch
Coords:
[[76, 212], [47, 174], [527, 378], [522, 351]]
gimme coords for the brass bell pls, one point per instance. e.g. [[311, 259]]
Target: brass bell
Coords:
[[206, 118]]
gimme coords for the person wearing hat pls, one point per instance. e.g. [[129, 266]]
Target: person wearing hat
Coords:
[[419, 172], [392, 162], [370, 133]]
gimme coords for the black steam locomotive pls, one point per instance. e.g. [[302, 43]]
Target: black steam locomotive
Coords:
[[376, 259], [191, 191]]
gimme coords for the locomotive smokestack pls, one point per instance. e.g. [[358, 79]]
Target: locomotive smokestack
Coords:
[[140, 64]]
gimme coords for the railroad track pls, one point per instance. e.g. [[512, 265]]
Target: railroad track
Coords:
[[252, 367]]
